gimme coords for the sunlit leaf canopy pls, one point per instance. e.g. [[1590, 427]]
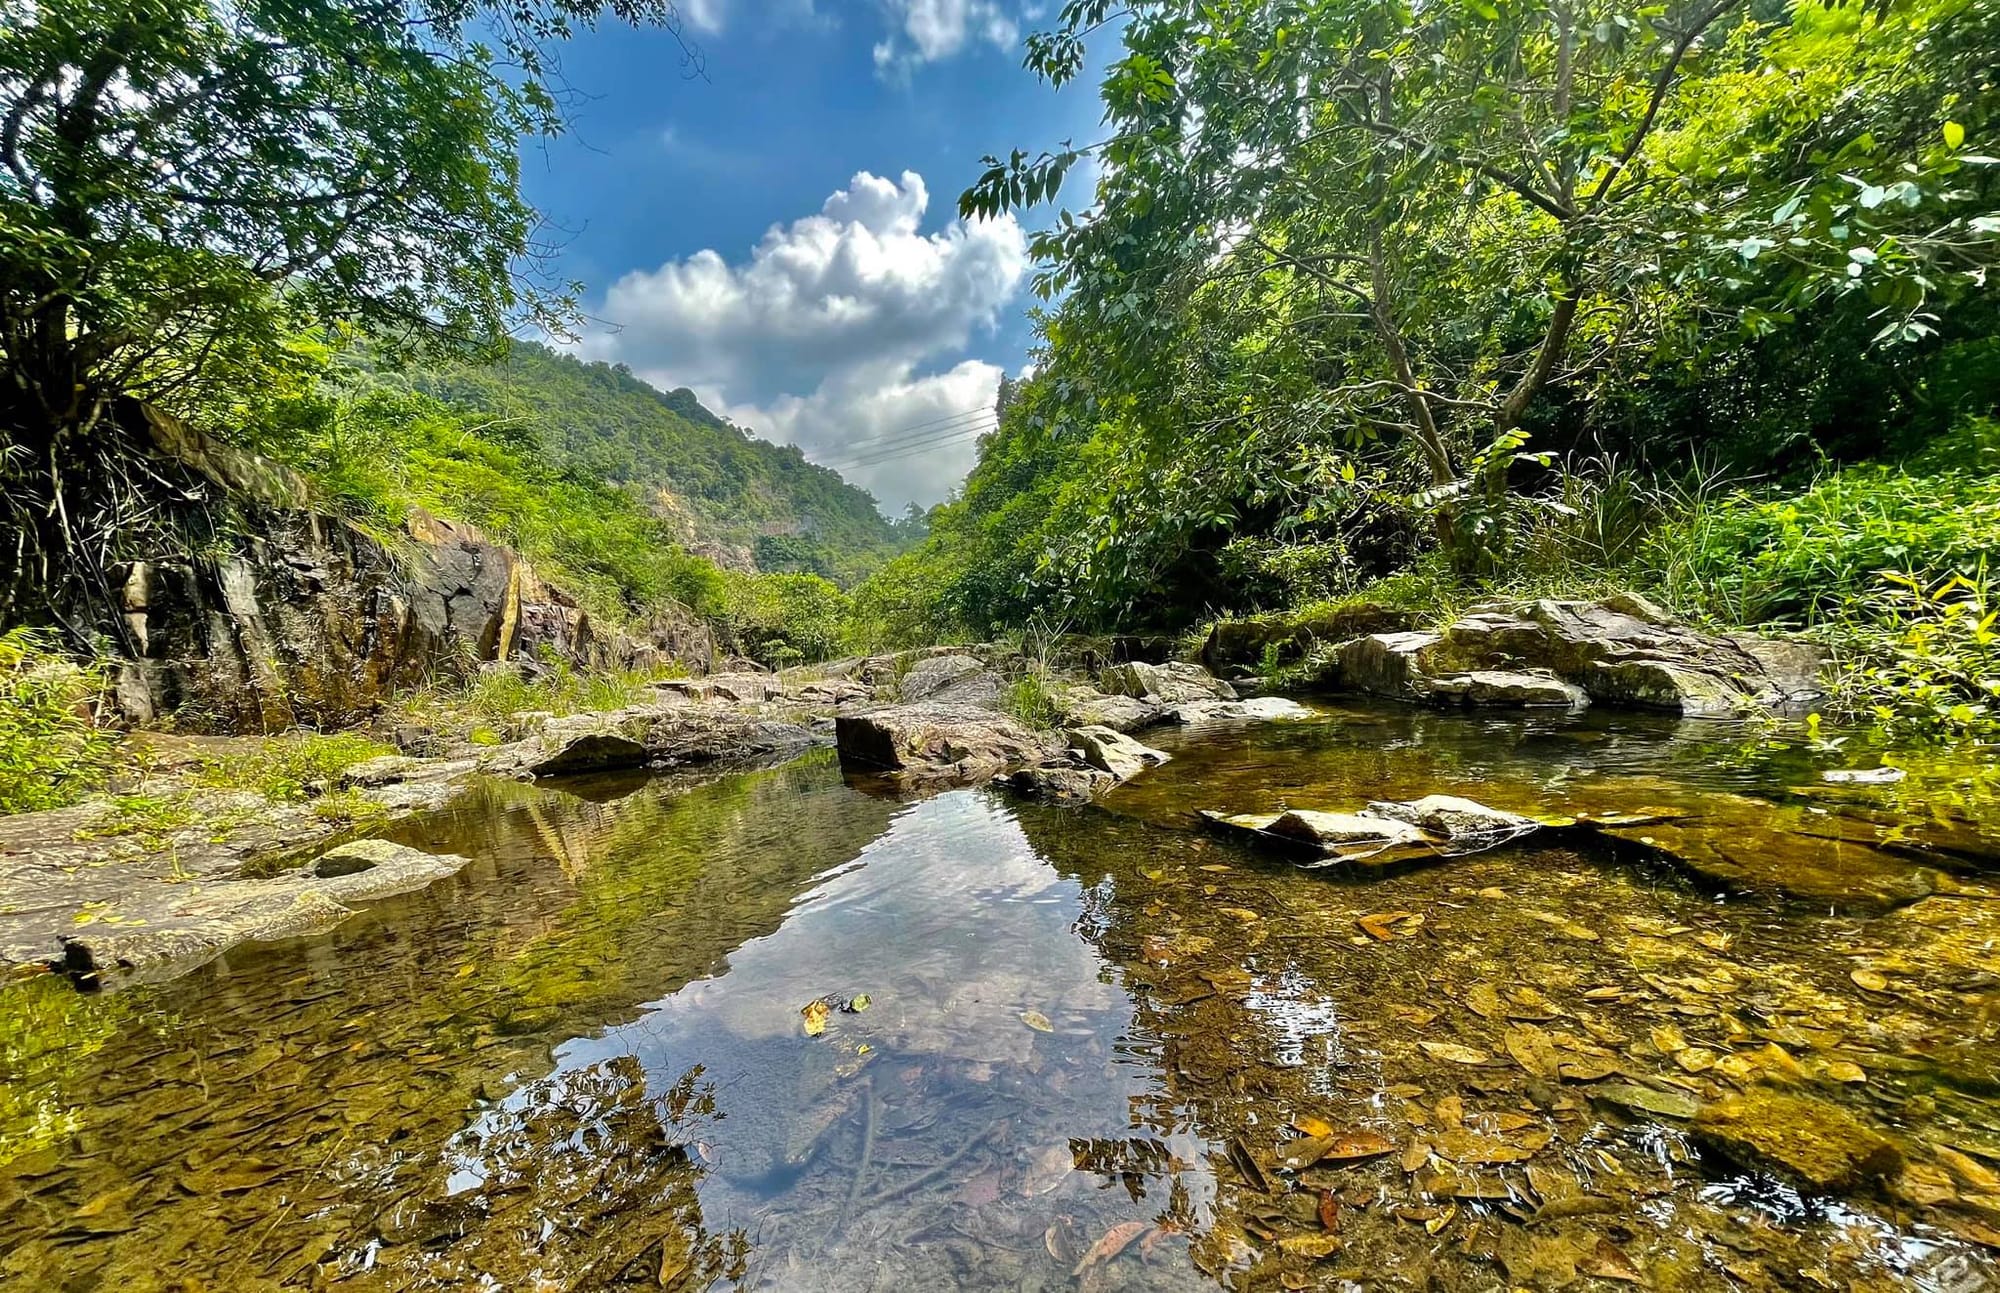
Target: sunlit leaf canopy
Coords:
[[167, 161], [1350, 263]]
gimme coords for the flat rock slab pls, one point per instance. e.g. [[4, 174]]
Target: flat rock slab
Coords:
[[178, 930], [1256, 709]]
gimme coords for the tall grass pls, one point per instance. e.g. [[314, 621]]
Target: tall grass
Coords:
[[52, 752]]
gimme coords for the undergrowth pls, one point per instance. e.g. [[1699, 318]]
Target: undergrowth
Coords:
[[52, 752]]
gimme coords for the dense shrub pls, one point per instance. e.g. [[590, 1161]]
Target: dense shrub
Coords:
[[1807, 555], [51, 750]]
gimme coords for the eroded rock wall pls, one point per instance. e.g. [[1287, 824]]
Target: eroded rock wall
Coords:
[[288, 615]]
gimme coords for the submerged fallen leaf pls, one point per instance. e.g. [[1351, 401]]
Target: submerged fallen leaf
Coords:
[[815, 1013], [1695, 1059], [1113, 1242], [1312, 1126], [1483, 999], [1038, 1021], [1872, 980], [1385, 925], [1455, 1053], [1531, 1048], [1608, 1261], [1309, 1246], [1341, 1147], [1244, 1160], [1329, 1211]]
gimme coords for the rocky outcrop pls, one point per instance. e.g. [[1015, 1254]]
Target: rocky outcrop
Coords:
[[656, 736], [1238, 646], [933, 744], [1619, 651], [1164, 684], [292, 615]]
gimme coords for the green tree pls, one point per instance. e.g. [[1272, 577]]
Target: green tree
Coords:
[[1344, 221], [182, 184]]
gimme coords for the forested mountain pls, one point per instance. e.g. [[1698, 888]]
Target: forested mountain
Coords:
[[745, 503]]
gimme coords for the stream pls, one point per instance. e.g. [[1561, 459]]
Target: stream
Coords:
[[772, 1031]]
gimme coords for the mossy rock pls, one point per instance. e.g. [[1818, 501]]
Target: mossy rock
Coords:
[[1811, 1142]]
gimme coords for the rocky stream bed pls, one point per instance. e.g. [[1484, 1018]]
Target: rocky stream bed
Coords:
[[1197, 989]]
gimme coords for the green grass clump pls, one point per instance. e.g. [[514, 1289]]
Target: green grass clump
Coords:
[[52, 752], [292, 768]]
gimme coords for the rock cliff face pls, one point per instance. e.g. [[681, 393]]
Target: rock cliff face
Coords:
[[288, 615]]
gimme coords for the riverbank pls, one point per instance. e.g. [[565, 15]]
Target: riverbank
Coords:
[[1530, 1062], [203, 843]]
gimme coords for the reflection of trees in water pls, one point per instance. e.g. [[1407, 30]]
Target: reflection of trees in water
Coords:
[[243, 1118], [586, 1179]]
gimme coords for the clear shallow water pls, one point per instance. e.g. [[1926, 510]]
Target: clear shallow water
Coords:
[[583, 1063]]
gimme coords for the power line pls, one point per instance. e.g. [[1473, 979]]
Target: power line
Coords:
[[915, 450], [945, 417], [868, 448], [899, 439]]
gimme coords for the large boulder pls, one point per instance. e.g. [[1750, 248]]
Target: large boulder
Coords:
[[1505, 689], [1621, 650], [930, 676], [1113, 752], [1240, 645], [1083, 706], [1385, 664], [933, 743], [1164, 684]]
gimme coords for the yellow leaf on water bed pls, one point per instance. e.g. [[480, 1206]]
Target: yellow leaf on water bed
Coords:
[[1385, 925], [1038, 1021], [1113, 1242], [1531, 1048], [1483, 999], [815, 1013], [1455, 1053]]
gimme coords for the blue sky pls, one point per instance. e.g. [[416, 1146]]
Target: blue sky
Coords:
[[782, 235]]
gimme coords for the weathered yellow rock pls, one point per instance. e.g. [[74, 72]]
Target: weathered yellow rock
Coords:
[[1813, 1142]]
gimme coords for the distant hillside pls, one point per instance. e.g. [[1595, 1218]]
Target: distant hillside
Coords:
[[744, 503]]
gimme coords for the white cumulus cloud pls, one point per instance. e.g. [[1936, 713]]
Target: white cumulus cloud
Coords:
[[822, 336], [925, 31]]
